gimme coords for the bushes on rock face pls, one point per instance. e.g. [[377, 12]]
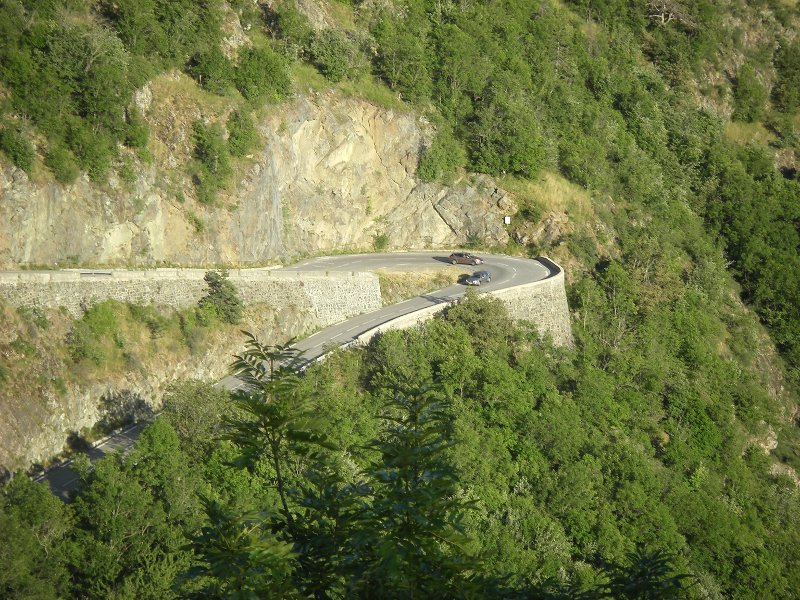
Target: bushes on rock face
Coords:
[[86, 338], [212, 70], [62, 163], [71, 71], [17, 147], [787, 88], [242, 134], [167, 31], [291, 26], [442, 159], [334, 54], [262, 75], [136, 132], [222, 300], [212, 167], [749, 96], [94, 149]]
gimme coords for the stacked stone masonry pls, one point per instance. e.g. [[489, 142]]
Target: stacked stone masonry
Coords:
[[331, 297], [543, 302]]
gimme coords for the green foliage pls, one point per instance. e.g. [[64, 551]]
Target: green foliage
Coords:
[[62, 163], [291, 26], [222, 299], [402, 54], [242, 134], [137, 133], [72, 70], [156, 322], [197, 222], [349, 480], [212, 70], [786, 91], [507, 140], [647, 575], [85, 339], [548, 464], [33, 526], [262, 75], [749, 96], [94, 150], [380, 241], [129, 516], [170, 31], [212, 165], [17, 147], [194, 410], [335, 55], [413, 527], [444, 157], [240, 557]]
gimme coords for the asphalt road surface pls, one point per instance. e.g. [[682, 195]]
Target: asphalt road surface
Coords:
[[506, 271]]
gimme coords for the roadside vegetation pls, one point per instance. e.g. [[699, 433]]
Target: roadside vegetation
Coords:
[[45, 352], [465, 458]]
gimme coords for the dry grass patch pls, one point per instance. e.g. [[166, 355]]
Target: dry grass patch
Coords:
[[396, 287], [177, 103], [306, 78], [551, 192], [343, 14], [748, 133]]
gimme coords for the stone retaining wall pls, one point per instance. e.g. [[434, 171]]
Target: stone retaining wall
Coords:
[[332, 297], [544, 303]]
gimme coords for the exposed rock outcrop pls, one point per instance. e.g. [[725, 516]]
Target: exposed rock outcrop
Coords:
[[332, 173]]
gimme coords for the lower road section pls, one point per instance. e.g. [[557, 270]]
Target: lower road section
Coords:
[[506, 272]]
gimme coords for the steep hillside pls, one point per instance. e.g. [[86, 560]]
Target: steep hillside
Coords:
[[651, 147]]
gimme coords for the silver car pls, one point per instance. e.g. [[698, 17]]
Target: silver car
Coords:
[[478, 277]]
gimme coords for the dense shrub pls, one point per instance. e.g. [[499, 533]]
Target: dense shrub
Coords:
[[62, 163], [16, 145], [137, 133], [85, 341], [95, 150], [787, 87], [212, 70], [72, 72], [222, 299], [212, 161], [749, 96], [334, 54], [402, 53], [262, 75], [242, 134], [292, 27], [441, 160]]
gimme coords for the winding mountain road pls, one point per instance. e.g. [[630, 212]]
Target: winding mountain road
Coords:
[[506, 271]]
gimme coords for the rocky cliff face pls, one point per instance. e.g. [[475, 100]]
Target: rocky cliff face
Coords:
[[331, 173]]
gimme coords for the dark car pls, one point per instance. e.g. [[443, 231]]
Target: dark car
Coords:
[[478, 277], [464, 258]]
